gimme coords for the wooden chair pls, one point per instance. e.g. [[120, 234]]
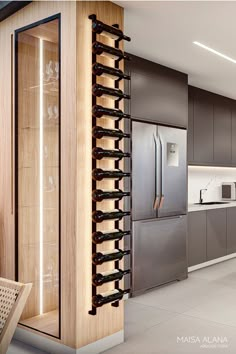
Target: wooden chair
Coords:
[[13, 297]]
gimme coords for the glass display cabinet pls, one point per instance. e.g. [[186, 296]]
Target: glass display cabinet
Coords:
[[37, 172]]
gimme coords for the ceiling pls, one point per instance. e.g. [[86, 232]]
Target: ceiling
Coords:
[[164, 31]]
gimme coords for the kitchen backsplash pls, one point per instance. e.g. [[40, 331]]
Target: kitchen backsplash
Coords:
[[200, 177]]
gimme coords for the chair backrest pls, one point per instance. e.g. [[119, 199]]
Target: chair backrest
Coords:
[[13, 297]]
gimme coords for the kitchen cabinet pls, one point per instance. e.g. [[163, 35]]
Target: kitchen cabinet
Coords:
[[233, 137], [211, 234], [231, 230], [202, 127], [216, 233], [197, 228], [159, 94], [190, 128], [211, 129], [222, 130]]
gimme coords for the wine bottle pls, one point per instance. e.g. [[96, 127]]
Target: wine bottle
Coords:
[[99, 195], [104, 112], [116, 214], [109, 92], [108, 31], [102, 236], [105, 50], [99, 174], [117, 154], [108, 256], [117, 134], [107, 297], [107, 71], [111, 275]]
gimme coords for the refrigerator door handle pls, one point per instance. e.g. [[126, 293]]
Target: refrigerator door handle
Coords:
[[156, 203], [161, 165], [161, 202], [158, 163]]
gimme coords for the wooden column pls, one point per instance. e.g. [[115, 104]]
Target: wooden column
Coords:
[[108, 320]]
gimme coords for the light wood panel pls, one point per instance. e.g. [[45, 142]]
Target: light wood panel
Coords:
[[78, 327], [32, 13], [48, 322], [108, 319], [7, 242]]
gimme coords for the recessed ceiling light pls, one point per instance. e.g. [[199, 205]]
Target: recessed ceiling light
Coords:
[[215, 52]]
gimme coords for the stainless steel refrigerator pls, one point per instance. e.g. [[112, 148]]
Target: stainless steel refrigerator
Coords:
[[159, 200]]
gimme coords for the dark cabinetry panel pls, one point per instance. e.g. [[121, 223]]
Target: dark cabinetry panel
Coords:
[[197, 238], [216, 233], [222, 130], [203, 126], [233, 106], [211, 234], [159, 94], [211, 129], [231, 230], [190, 127]]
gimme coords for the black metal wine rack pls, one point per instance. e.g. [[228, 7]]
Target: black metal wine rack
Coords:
[[93, 311]]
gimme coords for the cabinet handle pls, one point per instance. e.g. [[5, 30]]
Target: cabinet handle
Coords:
[[12, 115]]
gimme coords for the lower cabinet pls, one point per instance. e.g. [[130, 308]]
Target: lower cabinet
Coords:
[[231, 230], [197, 252], [216, 233], [211, 234]]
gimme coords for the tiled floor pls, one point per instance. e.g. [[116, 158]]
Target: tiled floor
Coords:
[[201, 309], [21, 348], [197, 315]]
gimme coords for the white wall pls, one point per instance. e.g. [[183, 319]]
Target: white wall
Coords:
[[200, 177]]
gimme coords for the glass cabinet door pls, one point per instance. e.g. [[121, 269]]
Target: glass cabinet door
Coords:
[[37, 153]]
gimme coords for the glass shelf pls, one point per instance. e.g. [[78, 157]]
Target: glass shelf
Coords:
[[38, 172]]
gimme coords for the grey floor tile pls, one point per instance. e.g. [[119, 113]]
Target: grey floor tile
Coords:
[[184, 334], [179, 335], [217, 272], [180, 296], [17, 347], [220, 308], [139, 318]]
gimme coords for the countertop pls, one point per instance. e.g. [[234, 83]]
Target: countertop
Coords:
[[197, 207]]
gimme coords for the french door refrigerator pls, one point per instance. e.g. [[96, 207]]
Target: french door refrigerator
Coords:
[[159, 199]]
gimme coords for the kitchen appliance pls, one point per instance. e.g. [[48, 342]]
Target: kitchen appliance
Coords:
[[228, 191], [159, 201]]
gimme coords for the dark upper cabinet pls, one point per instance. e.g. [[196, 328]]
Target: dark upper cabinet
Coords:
[[233, 105], [202, 126], [190, 128], [211, 129], [216, 233], [222, 130], [159, 94]]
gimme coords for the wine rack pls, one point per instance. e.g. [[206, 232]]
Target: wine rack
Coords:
[[116, 114]]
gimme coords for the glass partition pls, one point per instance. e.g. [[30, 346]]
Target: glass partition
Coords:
[[37, 152]]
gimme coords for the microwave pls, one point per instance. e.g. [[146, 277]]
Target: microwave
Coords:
[[228, 191]]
